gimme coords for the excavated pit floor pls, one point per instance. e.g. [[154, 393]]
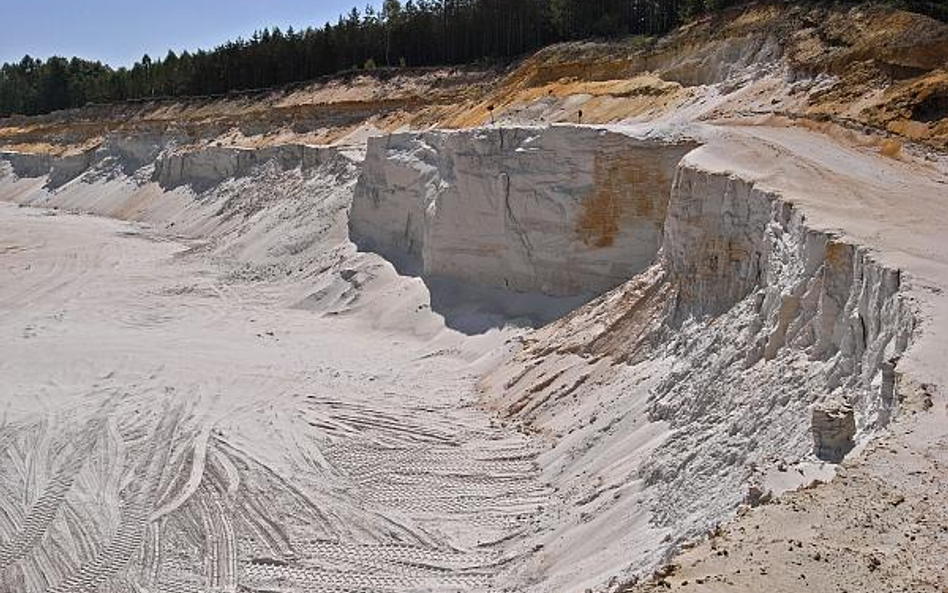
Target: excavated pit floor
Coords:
[[203, 435]]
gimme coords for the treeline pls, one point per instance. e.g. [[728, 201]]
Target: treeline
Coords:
[[413, 33]]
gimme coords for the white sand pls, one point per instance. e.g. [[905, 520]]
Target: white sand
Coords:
[[145, 401]]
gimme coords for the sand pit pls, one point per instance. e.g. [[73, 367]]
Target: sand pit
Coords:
[[225, 392], [338, 338], [203, 434]]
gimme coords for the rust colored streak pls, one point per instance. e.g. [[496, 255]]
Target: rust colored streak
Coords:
[[623, 186]]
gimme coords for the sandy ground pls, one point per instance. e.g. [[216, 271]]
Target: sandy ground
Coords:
[[204, 431], [880, 525]]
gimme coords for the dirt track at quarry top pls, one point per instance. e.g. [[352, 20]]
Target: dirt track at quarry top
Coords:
[[204, 434]]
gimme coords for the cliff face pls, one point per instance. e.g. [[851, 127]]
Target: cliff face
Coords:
[[756, 339], [747, 338], [561, 210], [727, 240], [206, 168]]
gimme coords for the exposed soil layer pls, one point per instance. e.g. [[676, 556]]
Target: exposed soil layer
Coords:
[[874, 70]]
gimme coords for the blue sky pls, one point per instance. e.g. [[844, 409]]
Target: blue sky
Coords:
[[119, 32]]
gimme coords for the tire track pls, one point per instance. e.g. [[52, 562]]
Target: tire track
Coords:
[[151, 556], [220, 543], [127, 541], [265, 530], [194, 479], [338, 463], [48, 504], [116, 555]]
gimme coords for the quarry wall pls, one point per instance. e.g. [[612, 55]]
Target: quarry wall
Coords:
[[756, 341], [272, 213], [560, 210], [557, 210]]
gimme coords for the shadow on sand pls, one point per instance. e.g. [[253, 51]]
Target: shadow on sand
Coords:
[[474, 309]]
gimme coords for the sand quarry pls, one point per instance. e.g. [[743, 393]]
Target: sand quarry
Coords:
[[340, 339]]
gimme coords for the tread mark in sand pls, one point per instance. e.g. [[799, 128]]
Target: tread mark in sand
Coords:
[[220, 553], [115, 556], [46, 507], [128, 538], [151, 555]]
